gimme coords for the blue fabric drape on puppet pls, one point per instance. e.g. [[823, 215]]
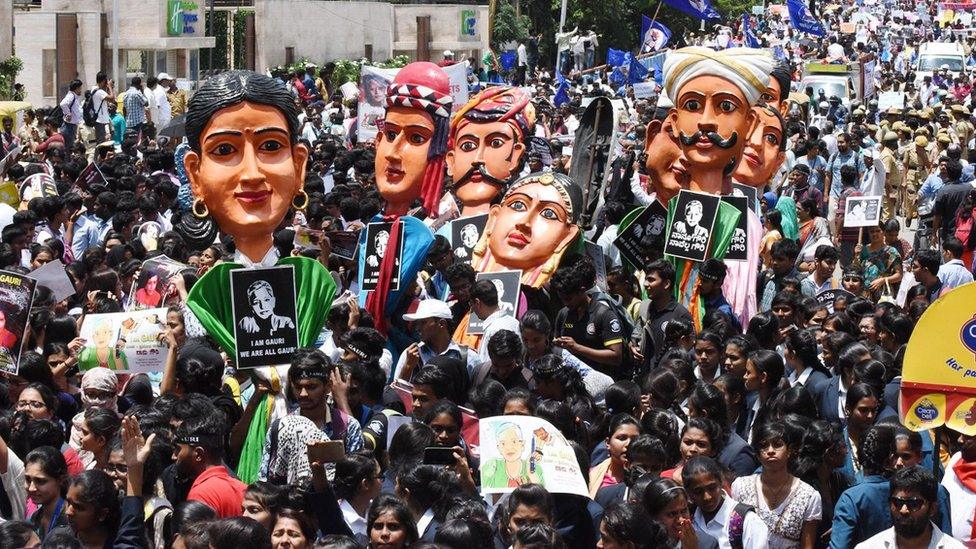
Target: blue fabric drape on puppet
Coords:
[[417, 239]]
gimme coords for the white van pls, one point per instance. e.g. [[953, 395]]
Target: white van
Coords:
[[933, 55]]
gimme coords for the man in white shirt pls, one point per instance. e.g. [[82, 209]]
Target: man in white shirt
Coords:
[[432, 320], [913, 505], [484, 304], [163, 108], [71, 107], [523, 64], [102, 96]]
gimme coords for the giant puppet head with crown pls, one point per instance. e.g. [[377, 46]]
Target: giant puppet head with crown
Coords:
[[487, 145], [412, 142], [713, 94]]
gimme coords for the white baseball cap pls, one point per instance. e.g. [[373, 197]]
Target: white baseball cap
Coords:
[[448, 53], [163, 76], [430, 308]]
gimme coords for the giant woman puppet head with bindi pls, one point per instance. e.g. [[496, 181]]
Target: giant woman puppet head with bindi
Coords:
[[487, 145], [410, 153], [531, 228], [713, 92], [246, 169], [245, 165]]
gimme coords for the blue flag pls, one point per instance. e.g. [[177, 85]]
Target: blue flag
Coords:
[[617, 76], [748, 33], [508, 59], [654, 35], [562, 90], [615, 58], [802, 20], [701, 9], [638, 72]]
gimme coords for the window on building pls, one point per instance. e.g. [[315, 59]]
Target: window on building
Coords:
[[49, 73], [162, 64]]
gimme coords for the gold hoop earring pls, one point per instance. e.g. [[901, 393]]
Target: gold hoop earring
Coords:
[[195, 208], [304, 203]]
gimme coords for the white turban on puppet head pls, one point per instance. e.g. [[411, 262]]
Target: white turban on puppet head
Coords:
[[747, 68]]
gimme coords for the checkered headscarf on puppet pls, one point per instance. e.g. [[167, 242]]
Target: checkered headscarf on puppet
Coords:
[[425, 86]]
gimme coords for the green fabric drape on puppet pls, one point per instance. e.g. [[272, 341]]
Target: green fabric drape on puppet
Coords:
[[686, 289], [210, 301]]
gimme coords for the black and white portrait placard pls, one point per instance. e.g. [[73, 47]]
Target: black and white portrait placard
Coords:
[[828, 297], [750, 192], [599, 262], [377, 246], [509, 286], [648, 224], [691, 228], [862, 211], [465, 233], [265, 315], [739, 247]]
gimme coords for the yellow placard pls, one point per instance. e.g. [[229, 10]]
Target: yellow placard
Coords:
[[924, 412], [962, 417], [9, 193], [942, 349]]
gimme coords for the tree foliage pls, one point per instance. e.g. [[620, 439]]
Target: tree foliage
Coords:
[[509, 27], [9, 68]]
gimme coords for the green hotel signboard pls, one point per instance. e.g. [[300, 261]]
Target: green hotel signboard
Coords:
[[180, 17]]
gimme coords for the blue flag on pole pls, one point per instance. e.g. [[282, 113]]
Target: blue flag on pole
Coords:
[[654, 35], [701, 9], [617, 76], [638, 72], [748, 32], [615, 58], [508, 59], [562, 90], [802, 20]]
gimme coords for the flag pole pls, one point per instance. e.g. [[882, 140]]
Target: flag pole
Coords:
[[656, 11]]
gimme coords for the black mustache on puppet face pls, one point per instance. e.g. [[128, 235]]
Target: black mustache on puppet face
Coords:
[[478, 167], [714, 137]]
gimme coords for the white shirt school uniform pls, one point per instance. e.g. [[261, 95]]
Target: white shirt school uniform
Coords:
[[963, 501], [886, 540], [754, 531]]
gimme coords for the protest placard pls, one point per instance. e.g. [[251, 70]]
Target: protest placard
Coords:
[[691, 229], [517, 450], [265, 315], [377, 239], [509, 286], [465, 233], [16, 296], [124, 342]]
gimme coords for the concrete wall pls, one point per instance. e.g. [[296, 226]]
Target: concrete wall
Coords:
[[321, 31], [29, 46], [6, 29], [445, 26]]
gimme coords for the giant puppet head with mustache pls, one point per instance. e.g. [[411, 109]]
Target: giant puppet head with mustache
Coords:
[[487, 145], [713, 94]]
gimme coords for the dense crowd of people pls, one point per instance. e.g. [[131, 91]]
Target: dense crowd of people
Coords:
[[776, 426]]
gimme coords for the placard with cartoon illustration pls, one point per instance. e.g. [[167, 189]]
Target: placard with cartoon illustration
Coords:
[[518, 450], [124, 342], [691, 227]]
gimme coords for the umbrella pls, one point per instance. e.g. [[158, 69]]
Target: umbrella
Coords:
[[176, 129]]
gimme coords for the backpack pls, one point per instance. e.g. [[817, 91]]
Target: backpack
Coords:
[[736, 524], [88, 109], [626, 329]]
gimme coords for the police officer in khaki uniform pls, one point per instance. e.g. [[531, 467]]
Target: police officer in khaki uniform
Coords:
[[892, 174], [964, 128], [916, 165]]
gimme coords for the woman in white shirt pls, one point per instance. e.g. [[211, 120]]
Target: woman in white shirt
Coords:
[[717, 514], [357, 482], [789, 507]]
